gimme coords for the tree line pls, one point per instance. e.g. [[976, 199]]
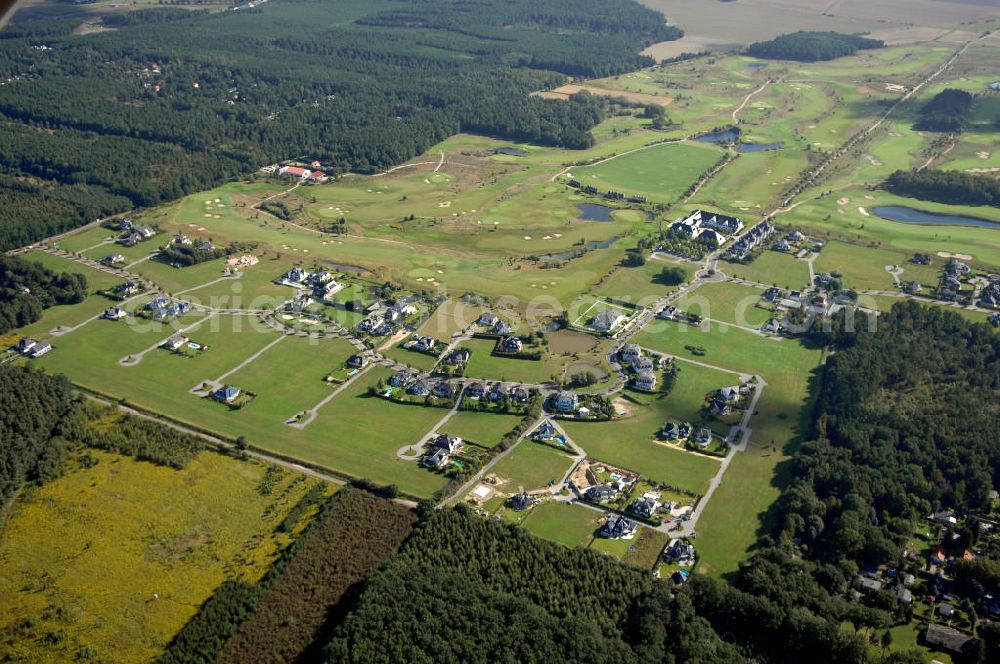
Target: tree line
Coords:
[[806, 46], [172, 103], [27, 289], [953, 187]]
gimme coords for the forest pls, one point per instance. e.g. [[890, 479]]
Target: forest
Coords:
[[169, 104], [284, 618], [27, 288], [905, 425], [953, 187], [806, 46], [32, 406], [947, 111], [487, 591]]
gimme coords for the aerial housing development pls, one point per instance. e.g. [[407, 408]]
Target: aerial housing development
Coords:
[[645, 331]]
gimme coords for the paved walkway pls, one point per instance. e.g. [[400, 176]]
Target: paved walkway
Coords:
[[415, 451], [133, 359], [312, 413]]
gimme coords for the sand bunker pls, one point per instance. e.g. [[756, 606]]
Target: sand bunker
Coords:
[[863, 211], [843, 201], [961, 257]]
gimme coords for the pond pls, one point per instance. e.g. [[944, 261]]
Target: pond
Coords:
[[727, 136], [758, 147], [756, 65], [908, 215], [594, 212], [578, 251], [513, 152]]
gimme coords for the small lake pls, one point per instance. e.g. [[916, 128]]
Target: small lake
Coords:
[[594, 212], [756, 65], [573, 253], [513, 152], [908, 215], [758, 147], [728, 136]]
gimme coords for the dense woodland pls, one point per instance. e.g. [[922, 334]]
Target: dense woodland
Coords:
[[287, 615], [27, 288], [171, 103], [906, 424], [946, 187], [32, 406], [947, 111], [812, 46], [486, 591]]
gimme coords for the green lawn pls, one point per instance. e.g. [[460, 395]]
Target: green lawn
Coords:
[[662, 173], [772, 268], [728, 527], [411, 358], [571, 525], [639, 285], [864, 267], [727, 302], [485, 429], [496, 367], [532, 466]]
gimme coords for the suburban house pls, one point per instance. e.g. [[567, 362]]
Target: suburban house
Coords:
[[182, 240], [25, 345], [944, 518], [475, 390], [401, 379], [511, 345], [444, 390], [519, 393], [146, 231], [642, 363], [371, 323], [158, 302], [126, 289], [703, 437], [423, 344], [500, 327], [496, 393], [618, 527], [458, 357], [447, 442], [113, 259], [645, 380], [174, 342], [796, 236], [646, 505], [680, 553], [39, 349], [437, 459], [523, 501], [607, 320], [730, 394], [868, 585], [772, 294], [751, 240], [630, 353], [293, 277], [545, 431], [668, 312], [420, 388], [488, 319], [782, 245], [941, 636], [566, 402], [114, 313], [676, 430], [601, 493], [357, 361], [227, 394], [904, 595], [301, 173]]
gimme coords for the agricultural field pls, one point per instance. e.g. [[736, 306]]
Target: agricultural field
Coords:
[[113, 558]]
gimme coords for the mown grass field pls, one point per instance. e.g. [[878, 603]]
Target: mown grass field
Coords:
[[485, 429], [640, 285], [571, 525], [662, 173], [729, 525], [485, 365], [772, 268], [727, 302], [531, 466], [84, 557]]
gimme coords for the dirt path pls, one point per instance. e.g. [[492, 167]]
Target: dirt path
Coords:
[[748, 98]]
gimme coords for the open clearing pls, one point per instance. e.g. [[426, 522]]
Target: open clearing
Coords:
[[662, 173], [532, 466], [117, 557]]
